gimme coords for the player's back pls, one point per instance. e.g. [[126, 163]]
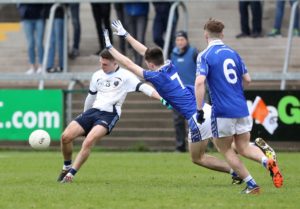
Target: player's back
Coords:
[[224, 71], [168, 84]]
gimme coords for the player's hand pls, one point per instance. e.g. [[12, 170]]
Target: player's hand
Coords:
[[200, 116], [106, 38], [165, 103], [120, 31]]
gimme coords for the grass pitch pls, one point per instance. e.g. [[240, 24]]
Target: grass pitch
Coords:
[[135, 180]]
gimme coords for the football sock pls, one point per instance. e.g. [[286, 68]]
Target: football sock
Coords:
[[233, 173], [250, 181], [264, 161], [67, 164], [73, 171]]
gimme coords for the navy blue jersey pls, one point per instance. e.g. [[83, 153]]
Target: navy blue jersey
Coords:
[[224, 70], [167, 83]]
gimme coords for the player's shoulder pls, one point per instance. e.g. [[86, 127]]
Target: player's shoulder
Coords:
[[203, 53], [97, 73], [126, 74]]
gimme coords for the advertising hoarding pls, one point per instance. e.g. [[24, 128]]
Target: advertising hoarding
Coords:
[[22, 111]]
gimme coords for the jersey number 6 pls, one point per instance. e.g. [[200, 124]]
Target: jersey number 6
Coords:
[[229, 73]]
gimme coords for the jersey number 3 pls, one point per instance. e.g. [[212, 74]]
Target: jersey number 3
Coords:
[[229, 73]]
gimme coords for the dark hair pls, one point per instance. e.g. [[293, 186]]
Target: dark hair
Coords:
[[154, 55], [182, 33], [214, 27], [106, 55]]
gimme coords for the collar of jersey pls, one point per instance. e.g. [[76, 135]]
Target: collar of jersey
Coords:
[[215, 42], [167, 62], [112, 71]]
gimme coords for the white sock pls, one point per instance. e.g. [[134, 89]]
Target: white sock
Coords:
[[67, 167]]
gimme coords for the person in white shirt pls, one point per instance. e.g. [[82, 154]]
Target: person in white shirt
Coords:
[[102, 109]]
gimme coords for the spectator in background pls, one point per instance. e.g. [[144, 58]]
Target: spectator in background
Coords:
[[75, 14], [56, 41], [279, 16], [101, 13], [256, 13], [32, 16], [160, 23], [136, 20], [119, 7], [184, 57]]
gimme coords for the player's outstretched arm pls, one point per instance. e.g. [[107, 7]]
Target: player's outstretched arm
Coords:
[[150, 91], [120, 58], [120, 31]]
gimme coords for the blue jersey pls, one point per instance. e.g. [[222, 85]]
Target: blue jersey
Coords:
[[224, 70], [167, 83]]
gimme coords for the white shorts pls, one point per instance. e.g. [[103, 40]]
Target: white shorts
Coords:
[[223, 127], [199, 132]]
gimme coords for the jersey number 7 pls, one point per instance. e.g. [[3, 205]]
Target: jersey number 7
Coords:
[[176, 76]]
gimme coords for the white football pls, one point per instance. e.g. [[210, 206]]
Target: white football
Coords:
[[39, 139]]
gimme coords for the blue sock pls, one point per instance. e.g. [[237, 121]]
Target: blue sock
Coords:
[[250, 182], [73, 171], [67, 162], [264, 161], [233, 173]]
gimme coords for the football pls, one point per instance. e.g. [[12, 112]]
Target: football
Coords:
[[39, 139]]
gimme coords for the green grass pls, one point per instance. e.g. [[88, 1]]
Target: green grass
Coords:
[[136, 180]]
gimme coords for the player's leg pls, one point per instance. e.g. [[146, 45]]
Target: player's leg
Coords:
[[224, 145], [272, 161], [81, 125], [94, 135], [223, 130], [198, 139], [97, 124], [242, 142], [72, 131], [242, 130], [197, 151]]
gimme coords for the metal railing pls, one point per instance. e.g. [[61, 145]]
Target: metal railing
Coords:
[[283, 76], [289, 44], [172, 14], [48, 38]]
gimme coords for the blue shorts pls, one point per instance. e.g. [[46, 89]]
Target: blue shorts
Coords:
[[92, 117]]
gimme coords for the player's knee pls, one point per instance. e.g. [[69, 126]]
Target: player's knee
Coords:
[[241, 151], [66, 138], [197, 159]]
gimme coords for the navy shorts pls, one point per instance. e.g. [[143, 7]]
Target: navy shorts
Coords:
[[92, 117]]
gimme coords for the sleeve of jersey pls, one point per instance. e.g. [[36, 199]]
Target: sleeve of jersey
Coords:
[[89, 101], [148, 75], [244, 68], [93, 85], [145, 88], [202, 66], [132, 82]]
